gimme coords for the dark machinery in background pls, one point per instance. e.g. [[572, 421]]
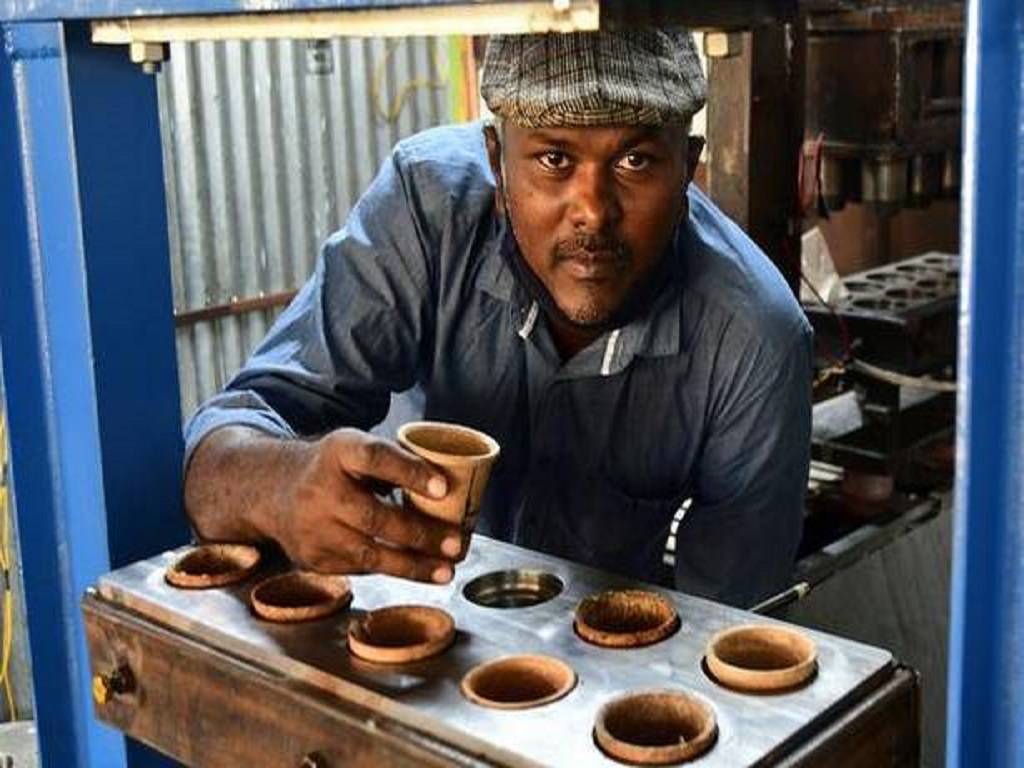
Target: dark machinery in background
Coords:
[[876, 89], [883, 98], [883, 89]]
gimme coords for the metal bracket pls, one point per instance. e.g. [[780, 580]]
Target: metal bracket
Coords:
[[518, 17]]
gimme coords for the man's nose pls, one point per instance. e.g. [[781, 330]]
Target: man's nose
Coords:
[[595, 205]]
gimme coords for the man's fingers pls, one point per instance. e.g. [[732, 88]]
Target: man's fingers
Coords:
[[397, 526], [372, 458], [356, 552]]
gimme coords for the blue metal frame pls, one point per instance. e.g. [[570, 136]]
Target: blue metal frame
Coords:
[[89, 363], [986, 655], [45, 10]]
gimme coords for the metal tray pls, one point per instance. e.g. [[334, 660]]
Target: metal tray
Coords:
[[426, 695]]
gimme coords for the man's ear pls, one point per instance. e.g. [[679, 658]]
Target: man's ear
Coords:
[[494, 158], [694, 146]]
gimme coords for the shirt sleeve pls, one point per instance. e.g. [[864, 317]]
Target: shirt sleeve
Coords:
[[352, 336], [737, 543]]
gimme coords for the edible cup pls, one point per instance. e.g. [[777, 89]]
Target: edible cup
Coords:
[[213, 565], [655, 727], [300, 596], [466, 457], [625, 618], [401, 634], [761, 658]]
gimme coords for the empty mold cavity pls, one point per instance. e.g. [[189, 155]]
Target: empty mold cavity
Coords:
[[401, 634], [300, 596], [875, 304], [761, 658], [656, 727], [860, 286], [519, 588], [915, 269], [911, 294], [518, 682], [625, 618], [213, 565], [883, 277]]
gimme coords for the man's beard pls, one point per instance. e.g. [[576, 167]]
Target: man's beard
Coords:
[[589, 249]]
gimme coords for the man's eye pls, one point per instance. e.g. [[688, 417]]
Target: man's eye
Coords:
[[553, 161], [634, 161]]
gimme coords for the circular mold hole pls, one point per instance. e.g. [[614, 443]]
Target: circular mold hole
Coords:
[[213, 565], [518, 682], [911, 294], [400, 634], [928, 284], [655, 727], [300, 596], [918, 271], [860, 286], [761, 658], [875, 304], [883, 277], [517, 588], [625, 618]]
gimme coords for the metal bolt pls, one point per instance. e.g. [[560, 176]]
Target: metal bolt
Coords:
[[722, 45], [105, 687], [101, 692], [148, 55]]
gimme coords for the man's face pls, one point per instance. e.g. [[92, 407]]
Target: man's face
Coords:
[[593, 208]]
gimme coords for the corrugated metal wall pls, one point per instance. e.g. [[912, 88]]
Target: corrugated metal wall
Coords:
[[267, 145]]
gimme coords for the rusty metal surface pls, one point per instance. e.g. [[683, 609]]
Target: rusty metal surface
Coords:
[[426, 695], [755, 129]]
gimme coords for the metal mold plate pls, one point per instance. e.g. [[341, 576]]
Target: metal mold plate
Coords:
[[513, 588], [426, 694]]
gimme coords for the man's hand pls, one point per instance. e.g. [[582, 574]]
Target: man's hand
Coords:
[[318, 500]]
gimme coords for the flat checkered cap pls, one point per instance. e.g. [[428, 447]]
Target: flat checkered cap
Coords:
[[628, 77]]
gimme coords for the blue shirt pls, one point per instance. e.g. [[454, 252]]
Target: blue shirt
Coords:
[[707, 395]]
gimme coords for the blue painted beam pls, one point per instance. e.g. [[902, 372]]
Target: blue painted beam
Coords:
[[86, 327], [39, 10], [986, 654], [55, 447]]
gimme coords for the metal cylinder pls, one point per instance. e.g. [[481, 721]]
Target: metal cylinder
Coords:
[[832, 182], [884, 183], [925, 181], [951, 174]]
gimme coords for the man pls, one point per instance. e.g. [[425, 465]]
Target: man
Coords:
[[554, 281]]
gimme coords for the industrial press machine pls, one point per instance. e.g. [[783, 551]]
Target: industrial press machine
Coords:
[[200, 677], [197, 676]]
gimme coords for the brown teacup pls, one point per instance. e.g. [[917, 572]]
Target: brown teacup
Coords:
[[466, 457]]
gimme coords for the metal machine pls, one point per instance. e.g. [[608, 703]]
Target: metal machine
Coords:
[[198, 676]]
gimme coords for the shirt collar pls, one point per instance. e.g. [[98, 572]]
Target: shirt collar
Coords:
[[495, 278]]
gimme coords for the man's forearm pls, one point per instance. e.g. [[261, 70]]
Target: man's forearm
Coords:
[[234, 483]]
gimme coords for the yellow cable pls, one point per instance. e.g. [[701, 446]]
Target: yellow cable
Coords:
[[391, 111], [5, 662], [7, 639]]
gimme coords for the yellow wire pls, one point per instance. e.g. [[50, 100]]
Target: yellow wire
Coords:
[[5, 563], [391, 111]]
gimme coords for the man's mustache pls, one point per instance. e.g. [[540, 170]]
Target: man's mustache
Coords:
[[592, 247]]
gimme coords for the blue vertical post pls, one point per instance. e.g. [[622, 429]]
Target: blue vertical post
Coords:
[[986, 655], [89, 363]]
